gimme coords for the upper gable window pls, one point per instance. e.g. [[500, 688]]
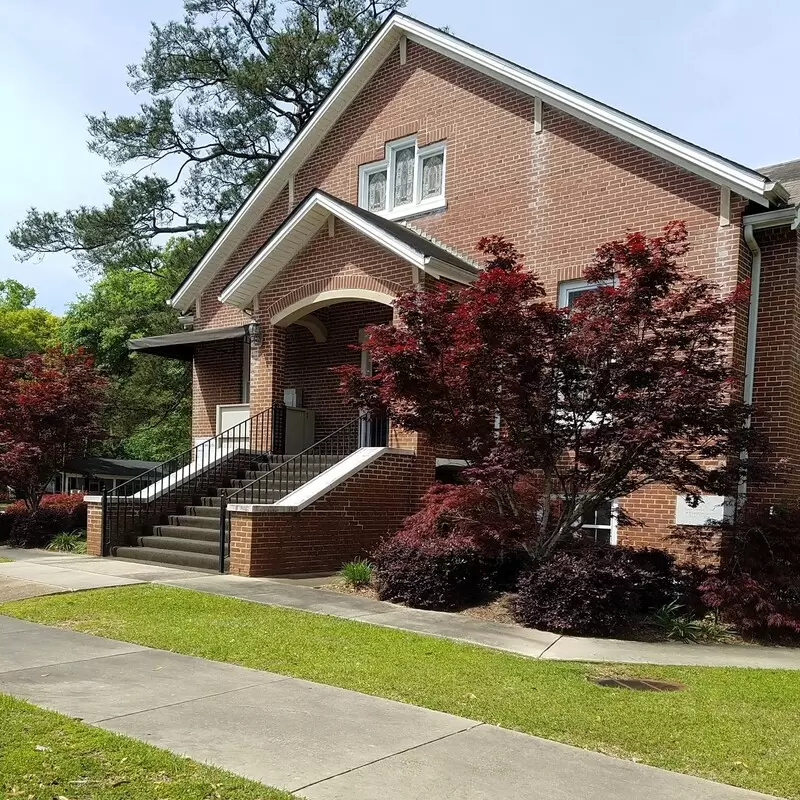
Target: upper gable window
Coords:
[[408, 181]]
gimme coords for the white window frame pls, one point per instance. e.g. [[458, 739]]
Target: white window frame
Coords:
[[611, 527], [565, 289], [417, 206]]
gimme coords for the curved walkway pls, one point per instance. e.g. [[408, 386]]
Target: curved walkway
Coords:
[[46, 573]]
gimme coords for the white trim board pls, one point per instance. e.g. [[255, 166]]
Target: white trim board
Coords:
[[323, 483], [717, 169]]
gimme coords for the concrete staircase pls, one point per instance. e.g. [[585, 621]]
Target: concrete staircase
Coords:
[[190, 536]]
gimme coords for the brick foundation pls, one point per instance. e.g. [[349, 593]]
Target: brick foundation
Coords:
[[346, 523]]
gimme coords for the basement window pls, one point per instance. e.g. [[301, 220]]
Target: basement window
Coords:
[[409, 180]]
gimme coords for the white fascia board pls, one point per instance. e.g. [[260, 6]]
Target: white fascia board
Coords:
[[292, 158], [378, 235], [774, 219], [441, 269], [718, 170], [240, 291], [237, 288], [744, 182]]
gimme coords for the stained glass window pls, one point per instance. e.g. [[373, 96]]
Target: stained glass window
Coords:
[[376, 191], [432, 174], [404, 176]]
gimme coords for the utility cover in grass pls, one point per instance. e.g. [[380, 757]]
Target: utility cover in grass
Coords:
[[638, 684]]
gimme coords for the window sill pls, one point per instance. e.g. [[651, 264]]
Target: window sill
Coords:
[[413, 210]]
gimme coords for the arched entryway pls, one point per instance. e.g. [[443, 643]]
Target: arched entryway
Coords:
[[324, 329]]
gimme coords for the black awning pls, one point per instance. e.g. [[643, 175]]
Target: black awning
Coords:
[[181, 345]]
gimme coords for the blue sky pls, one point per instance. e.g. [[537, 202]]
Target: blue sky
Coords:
[[717, 72]]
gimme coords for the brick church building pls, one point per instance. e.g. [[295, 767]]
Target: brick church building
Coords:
[[426, 144]]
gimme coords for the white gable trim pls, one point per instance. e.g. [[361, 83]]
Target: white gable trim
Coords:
[[304, 223], [741, 180], [716, 169]]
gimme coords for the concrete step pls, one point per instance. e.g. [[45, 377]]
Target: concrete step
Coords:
[[179, 545], [307, 472], [184, 532], [180, 558], [307, 461], [203, 511], [194, 521], [262, 496], [285, 482]]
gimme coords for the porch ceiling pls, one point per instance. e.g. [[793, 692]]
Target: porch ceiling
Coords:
[[307, 220]]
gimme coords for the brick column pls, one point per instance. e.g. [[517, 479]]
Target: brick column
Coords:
[[94, 527], [267, 368], [424, 471]]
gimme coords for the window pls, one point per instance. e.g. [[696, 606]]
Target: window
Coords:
[[570, 291], [408, 181], [600, 525]]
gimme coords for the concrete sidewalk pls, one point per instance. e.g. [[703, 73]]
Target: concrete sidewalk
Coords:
[[44, 573], [320, 741]]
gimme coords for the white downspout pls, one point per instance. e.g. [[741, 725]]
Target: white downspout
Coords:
[[752, 327]]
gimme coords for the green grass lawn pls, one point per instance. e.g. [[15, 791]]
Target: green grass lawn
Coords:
[[733, 725], [44, 755], [4, 560]]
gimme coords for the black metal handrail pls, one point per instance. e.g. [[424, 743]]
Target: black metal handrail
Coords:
[[290, 473], [174, 483]]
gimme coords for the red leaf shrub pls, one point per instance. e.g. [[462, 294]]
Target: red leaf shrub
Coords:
[[57, 513], [437, 574], [757, 585], [593, 590], [470, 513], [455, 548]]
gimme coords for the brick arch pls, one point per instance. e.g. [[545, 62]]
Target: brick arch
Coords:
[[328, 291]]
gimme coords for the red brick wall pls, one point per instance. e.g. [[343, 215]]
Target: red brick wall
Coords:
[[345, 524], [557, 194], [216, 380], [776, 396]]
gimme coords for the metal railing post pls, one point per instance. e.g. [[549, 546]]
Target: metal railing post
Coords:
[[104, 538], [223, 513]]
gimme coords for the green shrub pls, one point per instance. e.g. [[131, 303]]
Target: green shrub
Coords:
[[676, 625], [357, 574], [715, 630], [72, 542], [682, 627]]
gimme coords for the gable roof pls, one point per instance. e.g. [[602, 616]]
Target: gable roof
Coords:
[[308, 219], [742, 180]]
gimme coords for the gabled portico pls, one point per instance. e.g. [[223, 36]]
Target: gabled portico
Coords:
[[326, 274]]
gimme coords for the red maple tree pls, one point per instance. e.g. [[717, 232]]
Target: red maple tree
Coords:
[[631, 386], [51, 406]]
